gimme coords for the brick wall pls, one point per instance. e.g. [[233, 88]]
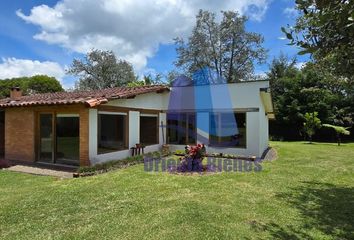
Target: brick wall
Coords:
[[19, 134], [21, 131]]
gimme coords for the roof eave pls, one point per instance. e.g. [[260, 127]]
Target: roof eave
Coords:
[[267, 101]]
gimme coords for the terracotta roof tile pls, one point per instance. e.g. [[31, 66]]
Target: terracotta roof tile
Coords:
[[90, 98]]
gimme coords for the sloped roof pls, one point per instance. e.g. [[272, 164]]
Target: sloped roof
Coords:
[[89, 98]]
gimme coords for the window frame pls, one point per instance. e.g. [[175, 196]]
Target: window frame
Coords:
[[142, 114], [219, 116], [125, 131], [54, 114], [187, 114]]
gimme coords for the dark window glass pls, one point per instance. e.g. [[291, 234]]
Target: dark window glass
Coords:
[[228, 129], [68, 139], [111, 133], [192, 133], [181, 128], [148, 130], [59, 138], [46, 138]]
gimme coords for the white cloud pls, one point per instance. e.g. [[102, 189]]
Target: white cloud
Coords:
[[290, 12], [281, 38], [260, 74], [13, 67], [133, 29]]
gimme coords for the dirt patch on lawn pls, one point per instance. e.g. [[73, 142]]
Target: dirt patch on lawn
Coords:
[[39, 171]]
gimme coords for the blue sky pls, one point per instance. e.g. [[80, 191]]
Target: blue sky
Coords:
[[44, 36]]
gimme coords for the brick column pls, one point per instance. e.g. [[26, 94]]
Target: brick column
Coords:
[[84, 137]]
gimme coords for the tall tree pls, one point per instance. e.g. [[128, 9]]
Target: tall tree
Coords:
[[101, 69], [224, 47], [325, 28]]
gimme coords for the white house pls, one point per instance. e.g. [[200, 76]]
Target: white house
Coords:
[[250, 101], [86, 128]]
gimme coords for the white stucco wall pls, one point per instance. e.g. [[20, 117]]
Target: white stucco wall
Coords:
[[149, 101], [242, 96], [146, 101], [263, 131], [134, 128], [238, 96]]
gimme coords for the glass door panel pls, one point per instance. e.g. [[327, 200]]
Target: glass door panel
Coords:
[[46, 138], [67, 139], [192, 133]]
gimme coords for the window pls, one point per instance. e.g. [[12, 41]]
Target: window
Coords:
[[228, 129], [149, 129], [111, 132], [181, 128]]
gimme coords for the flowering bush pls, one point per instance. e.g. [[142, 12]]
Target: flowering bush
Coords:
[[196, 152], [192, 162]]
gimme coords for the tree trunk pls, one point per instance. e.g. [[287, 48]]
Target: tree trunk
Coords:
[[229, 78], [338, 139]]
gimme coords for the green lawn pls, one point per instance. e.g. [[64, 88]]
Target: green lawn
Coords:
[[308, 193]]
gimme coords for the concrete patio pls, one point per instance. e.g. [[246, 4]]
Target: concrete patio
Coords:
[[40, 169]]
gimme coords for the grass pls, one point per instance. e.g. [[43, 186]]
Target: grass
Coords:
[[308, 193], [114, 164]]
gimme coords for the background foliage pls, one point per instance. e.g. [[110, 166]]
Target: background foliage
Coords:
[[30, 85], [325, 30]]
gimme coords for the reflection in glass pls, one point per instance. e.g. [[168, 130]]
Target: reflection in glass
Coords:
[[67, 139], [228, 129], [46, 138], [181, 128], [148, 130], [111, 133]]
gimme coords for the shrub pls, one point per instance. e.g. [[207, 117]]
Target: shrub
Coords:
[[192, 161]]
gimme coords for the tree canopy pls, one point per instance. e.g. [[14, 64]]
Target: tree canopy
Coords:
[[325, 29], [312, 122], [224, 47], [30, 85], [309, 89], [101, 69]]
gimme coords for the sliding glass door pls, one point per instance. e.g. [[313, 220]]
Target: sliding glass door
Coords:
[[46, 140], [67, 139], [181, 128], [59, 138]]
